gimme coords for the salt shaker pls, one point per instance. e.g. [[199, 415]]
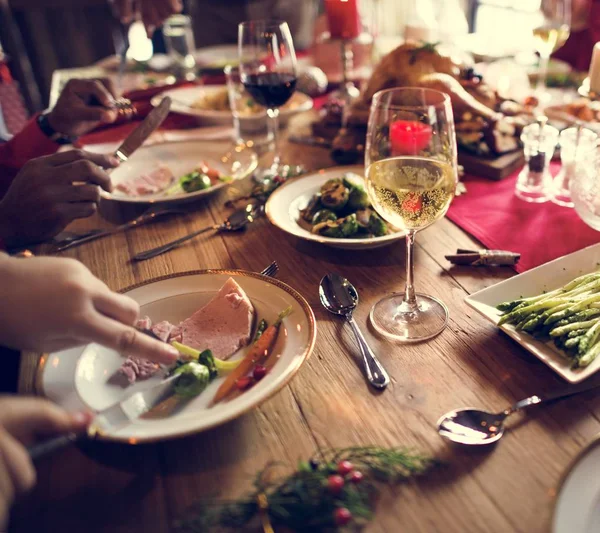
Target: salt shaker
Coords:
[[576, 148], [534, 183]]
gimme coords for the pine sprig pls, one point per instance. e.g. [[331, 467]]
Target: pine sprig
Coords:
[[303, 500]]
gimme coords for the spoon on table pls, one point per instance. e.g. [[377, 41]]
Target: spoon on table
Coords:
[[340, 297], [236, 221], [475, 428]]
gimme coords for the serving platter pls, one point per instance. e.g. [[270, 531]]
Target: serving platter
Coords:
[[183, 98], [284, 205], [535, 281], [236, 162], [83, 377]]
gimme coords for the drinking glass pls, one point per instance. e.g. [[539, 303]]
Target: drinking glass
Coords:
[[179, 42], [549, 35], [268, 69], [411, 176], [585, 191]]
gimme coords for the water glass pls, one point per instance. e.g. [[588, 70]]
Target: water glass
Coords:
[[179, 41], [585, 192], [249, 118]]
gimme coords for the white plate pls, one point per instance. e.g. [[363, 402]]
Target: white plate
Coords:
[[216, 57], [546, 277], [80, 377], [577, 508], [184, 97], [284, 205], [181, 157]]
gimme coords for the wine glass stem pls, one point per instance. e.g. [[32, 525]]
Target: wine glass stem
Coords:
[[273, 114], [543, 74], [409, 291]]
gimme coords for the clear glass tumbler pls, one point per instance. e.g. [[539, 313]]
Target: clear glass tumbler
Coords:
[[179, 41]]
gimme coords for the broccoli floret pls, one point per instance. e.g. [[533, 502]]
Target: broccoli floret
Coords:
[[206, 358], [195, 181], [323, 215], [193, 379], [342, 228]]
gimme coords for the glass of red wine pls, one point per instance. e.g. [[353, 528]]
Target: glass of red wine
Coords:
[[268, 69]]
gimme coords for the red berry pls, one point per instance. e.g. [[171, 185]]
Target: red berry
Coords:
[[342, 516], [344, 467], [259, 372], [355, 477], [244, 383], [335, 484]]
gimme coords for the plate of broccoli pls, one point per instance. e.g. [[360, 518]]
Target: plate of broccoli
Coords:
[[330, 207]]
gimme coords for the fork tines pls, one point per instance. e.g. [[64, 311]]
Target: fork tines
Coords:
[[271, 270]]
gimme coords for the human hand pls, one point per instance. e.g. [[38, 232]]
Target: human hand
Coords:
[[50, 192], [152, 12], [82, 105], [23, 421], [50, 304]]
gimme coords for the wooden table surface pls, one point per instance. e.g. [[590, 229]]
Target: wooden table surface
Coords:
[[114, 488]]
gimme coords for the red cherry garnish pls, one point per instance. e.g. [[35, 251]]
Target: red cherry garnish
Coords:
[[355, 477], [342, 516], [335, 484], [259, 372], [344, 467], [244, 383]]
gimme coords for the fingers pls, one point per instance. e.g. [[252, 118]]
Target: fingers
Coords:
[[64, 158], [84, 171], [109, 86], [73, 211], [29, 419], [117, 306], [128, 341], [18, 465], [94, 90], [81, 193]]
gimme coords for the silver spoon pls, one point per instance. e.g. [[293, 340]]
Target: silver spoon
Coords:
[[237, 221], [144, 218], [476, 428], [340, 297]]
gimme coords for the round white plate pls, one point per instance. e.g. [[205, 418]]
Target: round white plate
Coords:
[[284, 205], [81, 377], [577, 508], [237, 162], [216, 57], [184, 97]]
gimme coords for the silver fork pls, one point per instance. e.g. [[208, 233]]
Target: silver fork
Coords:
[[144, 218], [271, 270]]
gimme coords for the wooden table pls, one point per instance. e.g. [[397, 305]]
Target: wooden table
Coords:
[[117, 488]]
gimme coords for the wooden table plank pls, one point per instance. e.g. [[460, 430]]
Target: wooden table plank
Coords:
[[506, 488]]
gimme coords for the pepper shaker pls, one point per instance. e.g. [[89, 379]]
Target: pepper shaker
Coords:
[[534, 183]]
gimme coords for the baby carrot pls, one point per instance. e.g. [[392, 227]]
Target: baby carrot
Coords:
[[259, 350]]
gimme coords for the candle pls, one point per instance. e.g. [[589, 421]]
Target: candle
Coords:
[[408, 137], [343, 18], [594, 74]]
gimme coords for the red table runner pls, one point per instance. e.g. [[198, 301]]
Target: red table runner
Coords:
[[491, 213]]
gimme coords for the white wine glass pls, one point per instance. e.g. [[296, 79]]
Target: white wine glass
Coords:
[[268, 69], [550, 33], [411, 176]]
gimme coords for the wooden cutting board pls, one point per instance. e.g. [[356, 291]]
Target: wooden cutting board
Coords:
[[496, 168]]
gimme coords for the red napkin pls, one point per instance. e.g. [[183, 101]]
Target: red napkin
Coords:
[[491, 213]]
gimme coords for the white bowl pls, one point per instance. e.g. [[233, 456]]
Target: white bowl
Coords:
[[284, 205]]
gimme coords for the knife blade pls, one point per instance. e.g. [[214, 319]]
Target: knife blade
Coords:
[[137, 137], [113, 418]]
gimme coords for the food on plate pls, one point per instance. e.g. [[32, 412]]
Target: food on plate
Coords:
[[218, 100], [223, 325], [485, 123], [568, 316], [163, 180], [193, 379], [138, 369], [260, 351], [580, 109], [153, 182], [341, 209]]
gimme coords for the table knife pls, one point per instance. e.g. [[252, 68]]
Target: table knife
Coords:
[[115, 417], [137, 137]]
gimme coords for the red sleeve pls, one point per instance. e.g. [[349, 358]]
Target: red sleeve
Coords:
[[28, 144]]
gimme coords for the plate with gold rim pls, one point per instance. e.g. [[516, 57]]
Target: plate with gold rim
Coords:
[[83, 377]]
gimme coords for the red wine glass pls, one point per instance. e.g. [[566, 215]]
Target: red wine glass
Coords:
[[268, 69]]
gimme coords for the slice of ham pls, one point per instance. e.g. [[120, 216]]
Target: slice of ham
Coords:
[[153, 182], [163, 330], [223, 325], [137, 369]]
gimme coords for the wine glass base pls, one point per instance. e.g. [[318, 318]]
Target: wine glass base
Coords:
[[394, 319]]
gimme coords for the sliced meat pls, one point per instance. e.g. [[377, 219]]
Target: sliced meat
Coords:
[[136, 369], [144, 323], [153, 182], [223, 325], [163, 330]]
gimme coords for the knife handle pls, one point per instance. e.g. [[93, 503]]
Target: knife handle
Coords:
[[37, 451]]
